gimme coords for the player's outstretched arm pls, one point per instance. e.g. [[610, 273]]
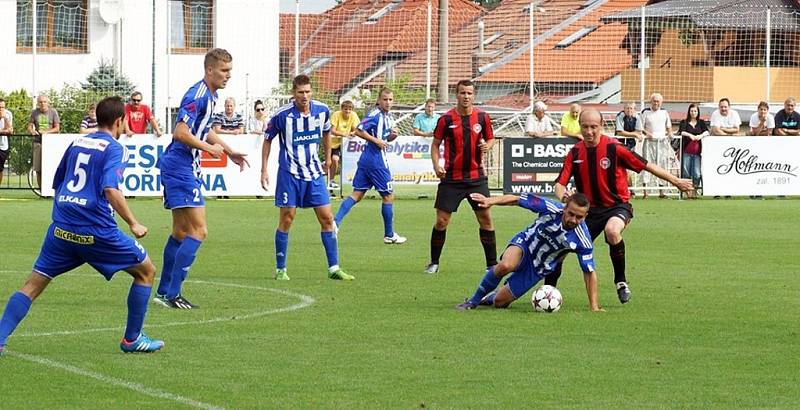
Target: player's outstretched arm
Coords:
[[237, 157], [684, 185], [120, 205], [487, 202], [590, 278]]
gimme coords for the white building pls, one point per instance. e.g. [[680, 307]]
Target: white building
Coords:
[[74, 35]]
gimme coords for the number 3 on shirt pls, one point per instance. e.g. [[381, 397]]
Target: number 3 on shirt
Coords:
[[75, 185]]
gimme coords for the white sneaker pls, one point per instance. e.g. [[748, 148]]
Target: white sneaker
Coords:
[[333, 185], [394, 239]]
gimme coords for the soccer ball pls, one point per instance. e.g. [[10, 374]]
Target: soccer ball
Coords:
[[546, 299]]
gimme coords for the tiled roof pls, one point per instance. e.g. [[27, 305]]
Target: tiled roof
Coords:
[[592, 59], [358, 46]]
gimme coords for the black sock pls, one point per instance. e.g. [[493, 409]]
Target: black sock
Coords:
[[437, 243], [489, 243], [617, 253], [552, 278]]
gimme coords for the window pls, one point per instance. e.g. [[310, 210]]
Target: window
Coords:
[[192, 26], [61, 26], [382, 12]]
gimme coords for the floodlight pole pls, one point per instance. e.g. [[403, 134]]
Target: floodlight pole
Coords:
[[296, 37], [428, 57]]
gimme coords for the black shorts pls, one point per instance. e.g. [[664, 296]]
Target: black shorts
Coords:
[[450, 194], [337, 152], [3, 158], [598, 217]]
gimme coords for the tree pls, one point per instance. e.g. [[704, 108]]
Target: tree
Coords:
[[105, 78]]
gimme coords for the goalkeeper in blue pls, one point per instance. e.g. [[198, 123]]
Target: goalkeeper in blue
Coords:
[[87, 195], [534, 252]]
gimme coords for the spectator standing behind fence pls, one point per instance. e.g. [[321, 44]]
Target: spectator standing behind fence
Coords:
[[787, 120], [725, 121], [258, 123], [539, 124], [692, 131], [570, 127], [89, 123], [343, 125], [137, 115], [656, 147], [6, 127], [229, 121], [425, 122], [629, 126], [761, 122], [44, 120]]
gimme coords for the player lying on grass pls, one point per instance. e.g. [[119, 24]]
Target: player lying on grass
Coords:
[[84, 230], [535, 251]]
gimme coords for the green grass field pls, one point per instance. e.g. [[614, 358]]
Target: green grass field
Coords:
[[712, 322]]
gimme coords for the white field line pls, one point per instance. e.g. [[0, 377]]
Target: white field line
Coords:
[[305, 301], [113, 381]]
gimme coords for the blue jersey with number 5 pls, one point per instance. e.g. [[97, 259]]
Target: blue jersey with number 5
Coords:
[[91, 163]]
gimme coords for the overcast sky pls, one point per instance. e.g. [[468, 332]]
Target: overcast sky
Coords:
[[307, 6]]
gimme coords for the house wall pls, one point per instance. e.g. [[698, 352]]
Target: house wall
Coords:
[[248, 29]]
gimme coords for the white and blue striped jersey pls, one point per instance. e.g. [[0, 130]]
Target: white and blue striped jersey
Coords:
[[300, 136], [546, 240], [378, 124], [196, 111]]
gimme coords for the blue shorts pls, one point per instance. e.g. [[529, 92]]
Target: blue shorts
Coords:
[[66, 247], [182, 192], [291, 192], [380, 178], [524, 276]]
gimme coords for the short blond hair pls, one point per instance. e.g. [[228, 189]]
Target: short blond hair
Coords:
[[215, 55]]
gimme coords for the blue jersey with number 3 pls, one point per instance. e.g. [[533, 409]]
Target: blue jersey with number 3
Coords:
[[300, 135], [91, 163]]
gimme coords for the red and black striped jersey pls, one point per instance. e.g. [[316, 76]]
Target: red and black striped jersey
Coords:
[[462, 135], [600, 171]]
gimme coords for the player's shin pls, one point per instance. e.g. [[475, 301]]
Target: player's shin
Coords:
[[184, 258], [437, 243], [387, 211], [552, 278], [16, 309], [617, 253], [170, 249], [137, 309], [281, 248], [331, 248], [344, 209], [489, 242], [488, 284]]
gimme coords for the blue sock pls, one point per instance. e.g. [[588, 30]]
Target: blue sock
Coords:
[[331, 248], [16, 309], [347, 205], [281, 248], [387, 211], [488, 284], [184, 258], [138, 297], [166, 268]]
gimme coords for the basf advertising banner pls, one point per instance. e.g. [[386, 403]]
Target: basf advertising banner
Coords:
[[532, 164], [409, 159], [220, 175], [751, 165]]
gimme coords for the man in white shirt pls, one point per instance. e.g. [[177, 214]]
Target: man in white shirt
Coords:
[[539, 124], [725, 121], [657, 136]]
